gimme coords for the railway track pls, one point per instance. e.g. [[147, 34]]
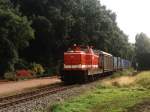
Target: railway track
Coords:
[[22, 98]]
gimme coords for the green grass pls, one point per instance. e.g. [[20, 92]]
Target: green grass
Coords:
[[143, 79], [109, 99], [125, 72], [104, 100]]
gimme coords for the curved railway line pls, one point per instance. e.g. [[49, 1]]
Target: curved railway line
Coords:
[[32, 95]]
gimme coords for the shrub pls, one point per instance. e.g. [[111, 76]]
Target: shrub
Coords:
[[143, 79], [37, 69], [23, 74], [126, 72], [10, 76]]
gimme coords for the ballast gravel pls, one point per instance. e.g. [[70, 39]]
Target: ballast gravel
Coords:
[[42, 103]]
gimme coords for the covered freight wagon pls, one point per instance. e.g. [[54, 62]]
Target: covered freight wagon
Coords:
[[107, 61], [119, 64], [115, 66]]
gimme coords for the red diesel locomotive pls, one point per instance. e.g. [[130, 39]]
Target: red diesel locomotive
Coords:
[[81, 65]]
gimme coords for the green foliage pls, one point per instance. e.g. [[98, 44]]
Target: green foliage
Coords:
[[143, 79], [10, 76], [126, 72], [5, 4], [37, 69], [142, 43], [15, 28], [142, 49], [8, 55], [15, 33], [59, 24], [56, 25]]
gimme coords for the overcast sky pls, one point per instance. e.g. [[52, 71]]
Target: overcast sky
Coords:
[[133, 16]]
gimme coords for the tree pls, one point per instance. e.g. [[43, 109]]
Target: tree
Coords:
[[142, 49], [60, 23], [15, 33], [40, 48]]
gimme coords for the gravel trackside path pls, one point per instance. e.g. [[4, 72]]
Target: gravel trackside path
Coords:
[[41, 104], [8, 88]]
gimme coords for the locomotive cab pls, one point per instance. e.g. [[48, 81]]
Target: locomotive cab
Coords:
[[77, 62], [77, 59]]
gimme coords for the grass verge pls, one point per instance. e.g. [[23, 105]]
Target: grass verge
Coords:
[[126, 72], [104, 100], [114, 98]]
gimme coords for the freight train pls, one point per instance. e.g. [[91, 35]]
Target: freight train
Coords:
[[82, 64]]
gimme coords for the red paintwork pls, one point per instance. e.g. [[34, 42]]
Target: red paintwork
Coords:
[[77, 59]]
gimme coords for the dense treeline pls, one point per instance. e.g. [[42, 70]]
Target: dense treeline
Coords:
[[41, 30], [142, 50], [15, 33]]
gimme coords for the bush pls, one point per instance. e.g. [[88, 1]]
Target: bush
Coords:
[[37, 69], [126, 72], [143, 79], [23, 74], [10, 76], [19, 74]]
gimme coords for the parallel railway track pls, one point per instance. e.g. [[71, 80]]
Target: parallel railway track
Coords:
[[35, 94], [22, 98]]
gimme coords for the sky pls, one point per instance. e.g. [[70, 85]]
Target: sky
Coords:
[[133, 16]]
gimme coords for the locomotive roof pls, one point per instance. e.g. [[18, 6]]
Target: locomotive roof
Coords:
[[105, 53]]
